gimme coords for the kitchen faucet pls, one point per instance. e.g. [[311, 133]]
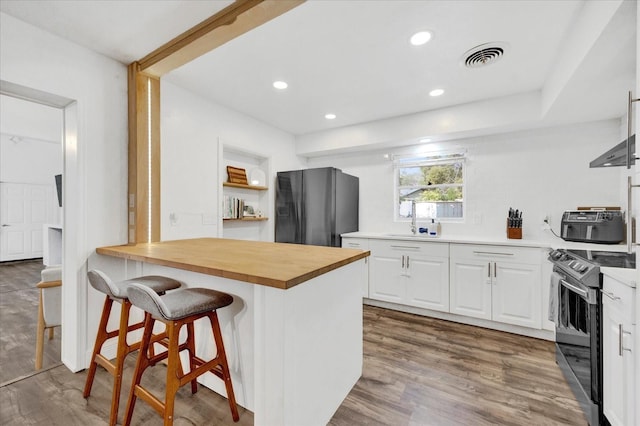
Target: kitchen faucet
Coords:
[[413, 217]]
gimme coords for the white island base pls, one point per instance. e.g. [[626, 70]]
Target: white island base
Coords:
[[294, 354]]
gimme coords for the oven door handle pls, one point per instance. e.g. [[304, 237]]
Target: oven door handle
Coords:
[[582, 292], [611, 295]]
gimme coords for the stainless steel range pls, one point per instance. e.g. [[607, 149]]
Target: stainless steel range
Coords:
[[576, 307]]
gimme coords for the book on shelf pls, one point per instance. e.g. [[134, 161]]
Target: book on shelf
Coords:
[[233, 208]]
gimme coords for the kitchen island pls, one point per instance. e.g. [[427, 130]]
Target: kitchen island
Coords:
[[293, 334]]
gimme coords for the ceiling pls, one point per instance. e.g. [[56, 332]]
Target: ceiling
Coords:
[[353, 58]]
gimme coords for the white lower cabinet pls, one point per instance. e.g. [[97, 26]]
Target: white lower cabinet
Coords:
[[496, 283], [618, 332], [410, 273], [362, 244]]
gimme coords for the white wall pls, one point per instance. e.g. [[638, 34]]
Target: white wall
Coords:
[[26, 160], [541, 172], [23, 118], [31, 142], [31, 145], [95, 158], [191, 128]]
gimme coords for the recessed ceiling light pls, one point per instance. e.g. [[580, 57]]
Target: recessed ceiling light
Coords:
[[436, 92], [280, 85], [425, 140], [420, 38], [329, 116]]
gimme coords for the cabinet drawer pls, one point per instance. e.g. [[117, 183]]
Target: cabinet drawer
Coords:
[[356, 243], [495, 253], [619, 297], [406, 247]]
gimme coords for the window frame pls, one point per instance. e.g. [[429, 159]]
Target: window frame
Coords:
[[432, 160]]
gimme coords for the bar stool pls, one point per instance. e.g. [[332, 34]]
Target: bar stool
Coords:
[[118, 291], [175, 310], [49, 307]]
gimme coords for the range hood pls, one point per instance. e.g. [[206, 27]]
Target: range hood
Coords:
[[617, 156]]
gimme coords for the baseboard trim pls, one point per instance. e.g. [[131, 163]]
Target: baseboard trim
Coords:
[[508, 328]]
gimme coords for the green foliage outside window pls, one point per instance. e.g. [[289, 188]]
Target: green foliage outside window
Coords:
[[438, 189]]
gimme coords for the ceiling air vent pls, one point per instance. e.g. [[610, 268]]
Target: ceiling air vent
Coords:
[[484, 54]]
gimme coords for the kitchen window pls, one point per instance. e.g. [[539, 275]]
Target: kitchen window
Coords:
[[436, 183]]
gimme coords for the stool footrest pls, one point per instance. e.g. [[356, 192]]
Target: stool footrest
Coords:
[[106, 363], [150, 399], [198, 371], [211, 366], [153, 360]]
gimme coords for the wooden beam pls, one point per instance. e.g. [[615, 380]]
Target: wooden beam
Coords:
[[144, 156], [229, 23], [144, 102]]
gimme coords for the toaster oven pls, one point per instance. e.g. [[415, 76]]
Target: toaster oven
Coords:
[[602, 226]]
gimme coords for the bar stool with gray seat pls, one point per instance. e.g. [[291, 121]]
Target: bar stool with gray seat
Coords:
[[176, 309], [118, 291], [49, 307]]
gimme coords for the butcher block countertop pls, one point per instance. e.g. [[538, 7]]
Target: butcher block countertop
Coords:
[[272, 264]]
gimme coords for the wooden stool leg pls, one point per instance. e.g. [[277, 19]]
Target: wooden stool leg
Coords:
[[40, 334], [51, 333], [141, 364], [174, 371], [217, 335], [122, 351], [100, 339], [191, 346]]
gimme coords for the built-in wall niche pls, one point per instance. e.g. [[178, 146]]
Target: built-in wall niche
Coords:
[[252, 198]]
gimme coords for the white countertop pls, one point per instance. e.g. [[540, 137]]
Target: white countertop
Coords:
[[625, 276], [501, 241]]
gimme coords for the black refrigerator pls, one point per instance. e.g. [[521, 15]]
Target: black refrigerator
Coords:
[[315, 206]]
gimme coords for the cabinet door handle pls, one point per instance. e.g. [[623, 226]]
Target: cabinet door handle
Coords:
[[403, 261], [406, 247], [491, 253], [495, 270], [621, 333], [489, 270], [407, 262]]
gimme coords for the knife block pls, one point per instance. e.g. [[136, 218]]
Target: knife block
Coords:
[[513, 233]]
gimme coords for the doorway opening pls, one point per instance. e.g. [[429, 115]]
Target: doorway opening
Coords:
[[73, 310]]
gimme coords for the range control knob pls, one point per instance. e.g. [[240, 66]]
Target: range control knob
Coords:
[[577, 266], [556, 255]]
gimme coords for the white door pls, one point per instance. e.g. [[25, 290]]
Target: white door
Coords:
[[24, 208]]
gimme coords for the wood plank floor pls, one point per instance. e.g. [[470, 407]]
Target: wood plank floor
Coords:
[[417, 371], [423, 371], [18, 319]]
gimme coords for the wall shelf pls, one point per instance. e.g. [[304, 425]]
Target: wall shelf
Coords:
[[257, 167], [240, 185]]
